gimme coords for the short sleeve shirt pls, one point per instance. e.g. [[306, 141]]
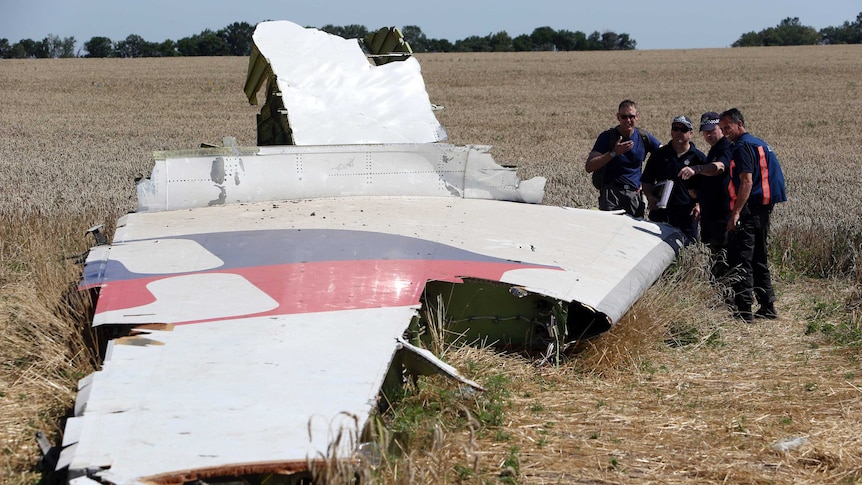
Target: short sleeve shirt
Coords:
[[664, 164], [712, 191], [625, 169], [753, 155]]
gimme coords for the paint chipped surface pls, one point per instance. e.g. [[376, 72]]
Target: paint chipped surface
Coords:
[[253, 390], [299, 285], [347, 99]]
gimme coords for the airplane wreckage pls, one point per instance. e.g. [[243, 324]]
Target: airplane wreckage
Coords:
[[262, 298]]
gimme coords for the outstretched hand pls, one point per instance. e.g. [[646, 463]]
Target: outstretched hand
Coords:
[[621, 146]]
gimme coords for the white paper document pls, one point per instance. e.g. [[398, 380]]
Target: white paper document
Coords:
[[662, 191]]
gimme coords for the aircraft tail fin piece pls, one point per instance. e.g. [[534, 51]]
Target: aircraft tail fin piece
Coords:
[[322, 90]]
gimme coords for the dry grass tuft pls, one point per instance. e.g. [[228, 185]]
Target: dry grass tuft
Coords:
[[42, 356], [680, 310], [646, 405]]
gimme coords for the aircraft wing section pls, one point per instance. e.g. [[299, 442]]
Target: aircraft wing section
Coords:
[[263, 254], [277, 321], [176, 403]]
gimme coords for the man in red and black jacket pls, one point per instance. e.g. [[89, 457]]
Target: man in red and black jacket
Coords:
[[756, 185]]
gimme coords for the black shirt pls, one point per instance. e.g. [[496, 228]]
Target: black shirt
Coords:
[[664, 164], [712, 191]]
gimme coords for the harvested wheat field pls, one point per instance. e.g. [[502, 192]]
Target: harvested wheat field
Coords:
[[678, 392]]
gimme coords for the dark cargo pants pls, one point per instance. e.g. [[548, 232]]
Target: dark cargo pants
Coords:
[[713, 233], [629, 199], [748, 258]]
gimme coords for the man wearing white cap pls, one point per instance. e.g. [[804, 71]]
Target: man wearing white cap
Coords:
[[669, 200]]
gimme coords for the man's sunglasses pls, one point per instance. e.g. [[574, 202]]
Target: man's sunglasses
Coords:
[[627, 117], [682, 129]]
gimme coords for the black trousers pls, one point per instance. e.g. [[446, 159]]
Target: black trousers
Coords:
[[713, 233], [678, 216], [748, 258]]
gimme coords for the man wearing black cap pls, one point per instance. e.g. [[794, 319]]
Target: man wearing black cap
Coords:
[[669, 200], [710, 184]]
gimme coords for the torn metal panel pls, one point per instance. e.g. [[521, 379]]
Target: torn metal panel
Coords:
[[386, 45], [263, 300], [422, 362], [259, 73], [602, 260], [212, 177], [268, 389], [332, 95]]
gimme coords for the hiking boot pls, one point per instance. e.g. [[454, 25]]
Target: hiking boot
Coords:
[[744, 314], [767, 311]]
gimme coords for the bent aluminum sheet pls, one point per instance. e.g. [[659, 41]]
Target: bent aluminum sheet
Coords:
[[282, 318], [242, 394], [182, 266], [333, 95], [218, 176]]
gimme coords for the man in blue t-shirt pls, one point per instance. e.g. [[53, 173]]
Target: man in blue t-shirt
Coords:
[[620, 153], [756, 185]]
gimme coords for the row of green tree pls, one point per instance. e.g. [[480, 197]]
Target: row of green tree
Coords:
[[541, 39], [791, 32], [235, 40]]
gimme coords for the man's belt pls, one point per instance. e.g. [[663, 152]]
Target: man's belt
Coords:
[[629, 187]]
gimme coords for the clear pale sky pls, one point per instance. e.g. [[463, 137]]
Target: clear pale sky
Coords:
[[657, 24]]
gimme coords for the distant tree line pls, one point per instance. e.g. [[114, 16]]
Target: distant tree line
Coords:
[[791, 32], [51, 46], [235, 40], [542, 39]]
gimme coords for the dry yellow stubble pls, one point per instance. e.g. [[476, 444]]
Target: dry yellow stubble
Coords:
[[633, 406]]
